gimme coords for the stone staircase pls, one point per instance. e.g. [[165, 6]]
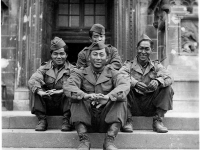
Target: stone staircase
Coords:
[[185, 70], [18, 133], [183, 123]]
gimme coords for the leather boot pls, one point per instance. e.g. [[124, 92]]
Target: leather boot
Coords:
[[158, 125], [42, 124], [110, 137], [66, 126], [83, 137], [128, 127]]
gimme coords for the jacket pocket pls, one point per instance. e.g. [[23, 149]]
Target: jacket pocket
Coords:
[[49, 80], [107, 86], [88, 88], [136, 75]]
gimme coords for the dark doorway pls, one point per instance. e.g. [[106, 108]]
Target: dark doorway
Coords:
[[74, 49], [74, 18]]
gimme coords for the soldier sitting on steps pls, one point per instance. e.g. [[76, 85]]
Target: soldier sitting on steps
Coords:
[[98, 95], [150, 93], [46, 87]]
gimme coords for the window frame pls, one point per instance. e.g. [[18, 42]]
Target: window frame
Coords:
[[81, 27]]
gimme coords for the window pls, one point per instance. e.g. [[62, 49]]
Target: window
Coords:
[[81, 13]]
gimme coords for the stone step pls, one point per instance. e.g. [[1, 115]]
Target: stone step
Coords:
[[186, 106], [174, 121], [186, 90], [139, 139], [76, 149]]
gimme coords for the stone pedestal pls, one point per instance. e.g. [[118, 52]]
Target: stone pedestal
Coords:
[[21, 99]]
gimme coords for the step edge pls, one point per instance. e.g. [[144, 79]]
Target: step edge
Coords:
[[57, 131]]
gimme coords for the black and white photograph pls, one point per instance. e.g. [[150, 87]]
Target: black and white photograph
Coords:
[[99, 75]]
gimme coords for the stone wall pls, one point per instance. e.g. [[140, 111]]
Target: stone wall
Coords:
[[34, 40], [9, 30], [48, 26]]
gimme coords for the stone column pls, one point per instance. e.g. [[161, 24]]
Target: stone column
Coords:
[[29, 49], [124, 27]]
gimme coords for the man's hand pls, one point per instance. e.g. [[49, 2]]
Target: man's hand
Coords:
[[43, 93], [153, 85], [102, 100], [54, 91], [91, 96], [141, 86]]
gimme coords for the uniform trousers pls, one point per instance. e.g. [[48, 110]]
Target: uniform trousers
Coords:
[[98, 120], [54, 105], [147, 104]]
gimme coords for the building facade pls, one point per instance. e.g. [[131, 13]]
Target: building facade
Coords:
[[29, 25]]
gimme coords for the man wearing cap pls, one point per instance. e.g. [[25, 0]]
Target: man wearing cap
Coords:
[[151, 93], [97, 33], [98, 95], [46, 87]]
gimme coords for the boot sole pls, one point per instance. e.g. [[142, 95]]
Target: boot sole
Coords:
[[40, 129], [104, 148], [158, 131], [128, 131], [66, 130]]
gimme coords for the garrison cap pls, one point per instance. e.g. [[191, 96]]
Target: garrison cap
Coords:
[[98, 28], [98, 46], [144, 37], [57, 43]]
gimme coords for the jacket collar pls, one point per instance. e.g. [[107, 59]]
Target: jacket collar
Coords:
[[50, 65], [50, 71], [137, 68], [89, 75]]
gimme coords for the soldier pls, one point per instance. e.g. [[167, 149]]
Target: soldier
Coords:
[[46, 87], [97, 33], [150, 93], [98, 95]]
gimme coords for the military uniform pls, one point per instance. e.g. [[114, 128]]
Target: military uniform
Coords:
[[141, 103], [45, 78], [114, 58], [109, 82]]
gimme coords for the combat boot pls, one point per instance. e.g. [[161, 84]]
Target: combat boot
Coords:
[[83, 137], [128, 127], [110, 137], [66, 126], [158, 125], [42, 124]]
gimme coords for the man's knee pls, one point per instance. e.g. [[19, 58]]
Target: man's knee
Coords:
[[168, 90]]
